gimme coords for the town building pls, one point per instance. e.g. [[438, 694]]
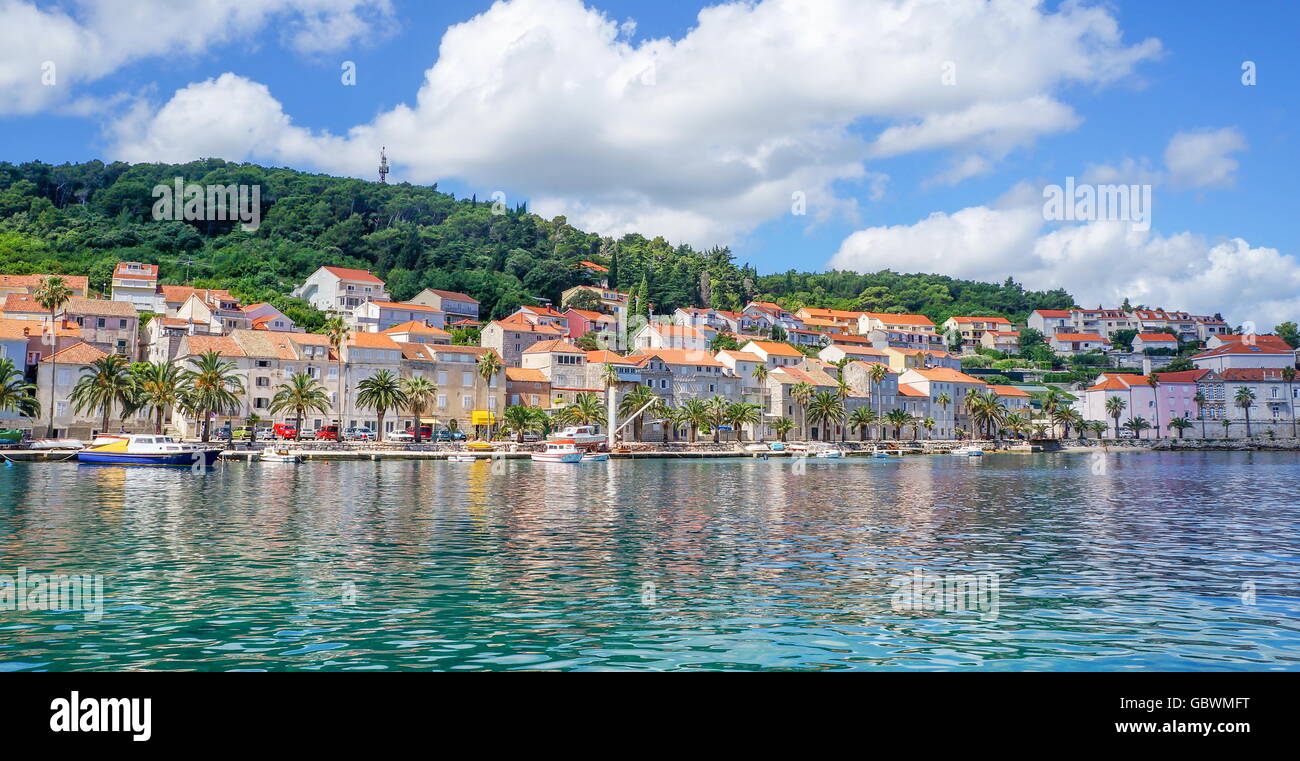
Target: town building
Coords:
[[458, 306], [137, 284], [341, 289], [378, 316], [971, 330], [509, 337]]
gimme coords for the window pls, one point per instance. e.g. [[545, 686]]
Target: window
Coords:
[[442, 401], [99, 323], [261, 403], [467, 402], [467, 379], [442, 377], [263, 381]]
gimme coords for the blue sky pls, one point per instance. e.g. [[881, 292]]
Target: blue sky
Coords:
[[1174, 69]]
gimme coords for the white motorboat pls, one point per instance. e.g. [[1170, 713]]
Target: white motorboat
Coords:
[[595, 457], [57, 444], [969, 451], [559, 450], [825, 452], [461, 458], [580, 434], [139, 449], [278, 454]]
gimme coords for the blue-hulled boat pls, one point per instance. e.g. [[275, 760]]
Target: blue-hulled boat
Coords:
[[138, 449]]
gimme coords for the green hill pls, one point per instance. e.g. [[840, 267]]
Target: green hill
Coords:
[[84, 218]]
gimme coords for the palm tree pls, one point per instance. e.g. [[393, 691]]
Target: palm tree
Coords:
[[52, 294], [914, 423], [897, 419], [1016, 423], [1288, 377], [420, 393], [971, 401], [1098, 427], [633, 402], [489, 365], [1153, 380], [381, 392], [1137, 425], [802, 393], [108, 382], [943, 400], [826, 410], [928, 424], [782, 426], [338, 332], [878, 373], [742, 414], [160, 386], [1180, 424], [717, 414], [1227, 424], [1200, 411], [520, 419], [298, 395], [760, 375], [860, 419], [1115, 407], [695, 414], [1245, 399], [586, 409], [17, 395], [211, 388]]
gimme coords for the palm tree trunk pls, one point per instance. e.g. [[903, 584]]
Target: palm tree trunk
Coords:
[[297, 427], [379, 421], [54, 368]]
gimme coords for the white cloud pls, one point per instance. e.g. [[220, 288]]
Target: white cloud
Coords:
[[95, 38], [701, 138], [1100, 262], [1199, 159]]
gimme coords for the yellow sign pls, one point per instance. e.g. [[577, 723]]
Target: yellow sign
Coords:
[[483, 417]]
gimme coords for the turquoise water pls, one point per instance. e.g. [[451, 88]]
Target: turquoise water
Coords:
[[1124, 561]]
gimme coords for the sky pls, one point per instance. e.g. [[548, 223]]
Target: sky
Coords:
[[914, 135]]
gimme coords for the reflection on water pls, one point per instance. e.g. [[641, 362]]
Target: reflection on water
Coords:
[[1145, 562]]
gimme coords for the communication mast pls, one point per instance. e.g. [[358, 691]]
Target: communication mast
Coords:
[[383, 167]]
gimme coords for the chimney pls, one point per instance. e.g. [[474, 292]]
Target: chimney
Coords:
[[1146, 365]]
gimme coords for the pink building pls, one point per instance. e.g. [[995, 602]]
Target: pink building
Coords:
[[1174, 396]]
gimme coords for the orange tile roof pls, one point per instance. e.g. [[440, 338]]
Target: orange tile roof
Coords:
[[593, 266], [517, 322], [983, 319], [401, 305], [683, 356], [678, 331], [840, 338], [900, 319], [22, 303], [799, 376], [372, 341], [1079, 337], [1006, 333], [742, 356], [77, 354], [1262, 345], [860, 351], [150, 271], [453, 295], [15, 329], [1157, 337], [344, 273], [415, 326], [593, 316], [1053, 312], [905, 389], [945, 375], [74, 282], [223, 345], [1003, 390], [779, 349], [604, 356], [557, 345], [526, 375]]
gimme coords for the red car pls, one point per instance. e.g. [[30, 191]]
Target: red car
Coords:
[[284, 430], [328, 433]]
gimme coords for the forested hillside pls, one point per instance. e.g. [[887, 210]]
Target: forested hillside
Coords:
[[84, 218]]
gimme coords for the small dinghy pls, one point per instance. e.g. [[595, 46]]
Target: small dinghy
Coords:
[[278, 454], [595, 457]]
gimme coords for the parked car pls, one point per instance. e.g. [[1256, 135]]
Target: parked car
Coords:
[[445, 435], [284, 430], [400, 436], [532, 437], [1125, 433], [265, 434], [327, 433], [242, 432], [358, 434]]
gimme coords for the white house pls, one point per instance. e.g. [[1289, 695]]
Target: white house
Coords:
[[137, 284], [1077, 343], [655, 335], [339, 289], [379, 315]]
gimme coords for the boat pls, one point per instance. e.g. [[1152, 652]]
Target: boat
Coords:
[[559, 450], [756, 448], [595, 457], [969, 451], [776, 446], [10, 437], [461, 458], [580, 434], [139, 449], [825, 452], [58, 444], [278, 454], [479, 446]]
